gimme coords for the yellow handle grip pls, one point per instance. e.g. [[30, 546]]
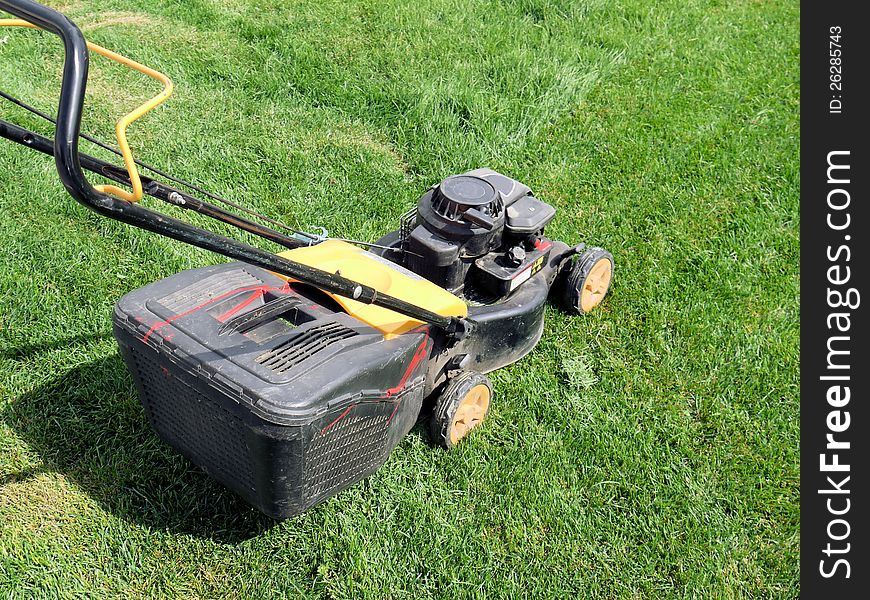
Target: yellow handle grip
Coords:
[[123, 122]]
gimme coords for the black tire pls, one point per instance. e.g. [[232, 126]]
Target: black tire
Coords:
[[579, 293], [472, 391]]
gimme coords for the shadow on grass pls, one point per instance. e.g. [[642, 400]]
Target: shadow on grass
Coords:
[[24, 351], [88, 424]]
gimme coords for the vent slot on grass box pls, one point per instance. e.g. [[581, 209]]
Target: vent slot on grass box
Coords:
[[306, 344]]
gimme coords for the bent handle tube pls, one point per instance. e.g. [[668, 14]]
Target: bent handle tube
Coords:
[[126, 120], [72, 94], [66, 154]]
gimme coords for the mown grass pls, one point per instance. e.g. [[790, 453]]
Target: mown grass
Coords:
[[648, 450]]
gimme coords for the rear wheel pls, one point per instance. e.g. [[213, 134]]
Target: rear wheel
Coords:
[[461, 406], [587, 281]]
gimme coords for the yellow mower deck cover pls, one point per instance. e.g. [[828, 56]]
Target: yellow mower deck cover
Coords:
[[335, 256]]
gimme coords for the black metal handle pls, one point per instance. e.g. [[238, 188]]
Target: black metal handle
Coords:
[[72, 94], [66, 153]]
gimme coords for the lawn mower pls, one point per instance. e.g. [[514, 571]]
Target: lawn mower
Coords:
[[290, 376]]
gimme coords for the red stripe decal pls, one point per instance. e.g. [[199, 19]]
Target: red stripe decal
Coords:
[[419, 356], [340, 417], [253, 288], [239, 307], [393, 414]]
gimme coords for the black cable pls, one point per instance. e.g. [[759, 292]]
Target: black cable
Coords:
[[157, 171], [51, 119], [184, 183]]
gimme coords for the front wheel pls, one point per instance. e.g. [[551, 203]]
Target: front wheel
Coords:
[[587, 281], [462, 406]]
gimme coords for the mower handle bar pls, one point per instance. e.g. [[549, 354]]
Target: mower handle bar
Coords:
[[66, 154]]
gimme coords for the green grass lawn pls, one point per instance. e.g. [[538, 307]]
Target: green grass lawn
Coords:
[[648, 450]]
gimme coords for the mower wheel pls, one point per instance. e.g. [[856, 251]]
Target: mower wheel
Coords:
[[587, 280], [461, 406]]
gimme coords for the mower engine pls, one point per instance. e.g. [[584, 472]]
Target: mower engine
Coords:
[[477, 234], [288, 394]]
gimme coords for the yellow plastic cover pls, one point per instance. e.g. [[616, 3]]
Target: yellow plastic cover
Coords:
[[335, 256]]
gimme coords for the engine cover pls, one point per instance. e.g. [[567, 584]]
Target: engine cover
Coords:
[[467, 217]]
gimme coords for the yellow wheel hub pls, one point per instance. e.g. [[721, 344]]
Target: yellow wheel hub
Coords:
[[596, 284], [470, 413]]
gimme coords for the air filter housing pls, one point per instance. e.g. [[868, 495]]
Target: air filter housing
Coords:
[[458, 220], [468, 199]]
